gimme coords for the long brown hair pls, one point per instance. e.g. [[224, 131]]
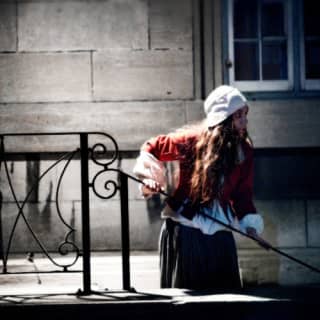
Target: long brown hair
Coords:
[[216, 154]]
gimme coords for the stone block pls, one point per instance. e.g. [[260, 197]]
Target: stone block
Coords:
[[143, 75], [17, 171], [105, 224], [171, 24], [45, 77], [117, 117], [69, 185], [49, 181], [286, 174], [37, 143], [83, 25], [195, 111], [130, 123], [313, 223], [292, 273], [145, 225], [284, 222], [45, 223], [280, 123], [260, 267], [8, 30]]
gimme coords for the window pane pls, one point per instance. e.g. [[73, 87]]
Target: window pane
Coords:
[[274, 61], [246, 61], [245, 19], [311, 18], [312, 39], [272, 18], [312, 54]]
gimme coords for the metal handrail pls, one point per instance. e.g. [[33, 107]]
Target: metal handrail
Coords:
[[95, 153]]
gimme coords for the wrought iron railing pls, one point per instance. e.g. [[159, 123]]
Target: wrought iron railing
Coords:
[[104, 157]]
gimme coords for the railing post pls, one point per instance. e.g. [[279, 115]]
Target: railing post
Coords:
[[1, 238], [84, 153], [124, 200], [4, 262]]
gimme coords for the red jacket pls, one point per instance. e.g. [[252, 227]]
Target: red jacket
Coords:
[[237, 189]]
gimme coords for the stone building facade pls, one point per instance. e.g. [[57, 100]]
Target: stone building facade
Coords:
[[135, 69]]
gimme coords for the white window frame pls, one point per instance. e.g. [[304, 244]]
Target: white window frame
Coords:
[[262, 85], [306, 84]]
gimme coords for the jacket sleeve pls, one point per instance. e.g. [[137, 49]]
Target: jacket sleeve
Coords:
[[150, 163], [163, 147], [242, 197]]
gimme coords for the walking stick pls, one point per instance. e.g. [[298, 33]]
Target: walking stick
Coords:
[[260, 241]]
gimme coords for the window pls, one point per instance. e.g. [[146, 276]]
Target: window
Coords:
[[260, 45], [273, 45], [310, 46]]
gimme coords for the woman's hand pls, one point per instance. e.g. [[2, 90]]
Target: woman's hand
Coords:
[[150, 187], [253, 233]]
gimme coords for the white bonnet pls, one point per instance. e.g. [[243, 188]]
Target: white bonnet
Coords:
[[221, 103]]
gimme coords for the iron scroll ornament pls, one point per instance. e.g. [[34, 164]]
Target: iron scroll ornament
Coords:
[[100, 153]]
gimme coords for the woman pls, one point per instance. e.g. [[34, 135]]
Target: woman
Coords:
[[216, 178]]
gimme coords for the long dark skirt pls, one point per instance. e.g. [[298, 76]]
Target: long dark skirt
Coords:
[[192, 260]]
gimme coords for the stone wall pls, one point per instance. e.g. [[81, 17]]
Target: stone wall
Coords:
[[131, 68], [118, 66], [124, 67], [96, 66]]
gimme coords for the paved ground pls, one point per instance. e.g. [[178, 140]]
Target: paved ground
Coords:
[[106, 273], [54, 296]]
